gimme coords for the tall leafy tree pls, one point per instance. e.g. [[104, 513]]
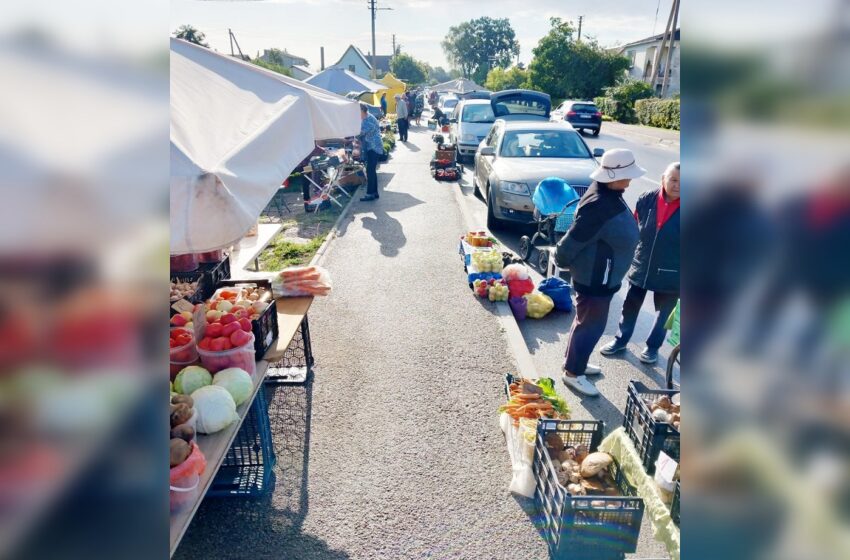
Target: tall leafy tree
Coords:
[[499, 79], [565, 68], [477, 45], [407, 68], [438, 75], [189, 33]]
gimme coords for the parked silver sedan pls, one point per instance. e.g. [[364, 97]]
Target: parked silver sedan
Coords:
[[516, 155]]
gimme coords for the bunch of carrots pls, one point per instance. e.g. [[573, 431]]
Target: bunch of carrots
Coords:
[[305, 280], [527, 401]]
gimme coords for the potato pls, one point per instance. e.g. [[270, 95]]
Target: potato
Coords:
[[576, 490], [594, 463], [554, 441], [180, 413], [185, 399], [664, 402], [581, 452], [179, 451], [184, 432]]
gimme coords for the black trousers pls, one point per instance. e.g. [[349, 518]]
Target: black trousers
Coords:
[[664, 305], [588, 325], [403, 125], [371, 172]]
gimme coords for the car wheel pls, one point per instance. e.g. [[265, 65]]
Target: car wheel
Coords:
[[493, 223], [596, 132], [475, 189]]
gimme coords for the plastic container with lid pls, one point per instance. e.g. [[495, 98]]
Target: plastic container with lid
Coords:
[[182, 356], [184, 263], [185, 478], [242, 357]]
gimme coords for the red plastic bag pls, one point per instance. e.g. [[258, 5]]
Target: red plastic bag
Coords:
[[185, 478], [519, 288], [195, 463]]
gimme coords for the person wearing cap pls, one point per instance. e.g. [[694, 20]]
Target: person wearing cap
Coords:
[[372, 147], [402, 113], [655, 266], [597, 250]]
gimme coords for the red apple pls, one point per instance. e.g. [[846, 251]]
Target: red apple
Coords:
[[227, 318], [236, 308], [230, 328], [217, 344], [204, 343], [240, 338], [245, 323], [179, 320], [214, 330], [239, 314]]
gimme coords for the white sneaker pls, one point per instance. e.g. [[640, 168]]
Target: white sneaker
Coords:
[[581, 385], [592, 369]]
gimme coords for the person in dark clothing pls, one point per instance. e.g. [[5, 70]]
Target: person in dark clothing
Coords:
[[372, 147], [598, 250], [655, 266], [384, 104], [402, 114]]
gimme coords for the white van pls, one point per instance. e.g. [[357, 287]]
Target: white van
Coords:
[[470, 123]]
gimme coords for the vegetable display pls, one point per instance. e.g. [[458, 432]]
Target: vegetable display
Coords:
[[182, 319], [580, 472], [487, 261], [182, 290], [302, 281], [236, 381], [539, 305], [534, 399], [215, 408], [190, 379], [667, 410]]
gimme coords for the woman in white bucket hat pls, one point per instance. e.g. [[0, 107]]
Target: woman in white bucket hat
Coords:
[[598, 251]]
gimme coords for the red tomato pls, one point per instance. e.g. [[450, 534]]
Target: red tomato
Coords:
[[245, 324], [214, 330]]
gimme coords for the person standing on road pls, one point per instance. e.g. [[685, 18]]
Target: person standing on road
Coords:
[[402, 113], [597, 249], [372, 147], [384, 104], [655, 266]]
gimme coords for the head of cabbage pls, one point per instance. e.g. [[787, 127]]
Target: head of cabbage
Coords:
[[237, 381], [190, 379], [215, 407]]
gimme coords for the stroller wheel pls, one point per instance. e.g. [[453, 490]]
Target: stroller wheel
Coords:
[[525, 247], [543, 260]]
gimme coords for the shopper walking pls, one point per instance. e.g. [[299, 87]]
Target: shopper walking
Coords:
[[598, 250], [402, 114], [371, 147], [655, 266], [384, 104]]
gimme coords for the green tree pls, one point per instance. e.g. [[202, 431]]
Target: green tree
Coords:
[[407, 68], [274, 67], [438, 75], [499, 79], [565, 68], [477, 45], [629, 90], [189, 33]]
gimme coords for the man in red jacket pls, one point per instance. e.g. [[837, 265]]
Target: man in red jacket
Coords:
[[655, 266]]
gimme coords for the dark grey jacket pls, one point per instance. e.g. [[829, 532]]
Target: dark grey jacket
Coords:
[[599, 246], [656, 264]]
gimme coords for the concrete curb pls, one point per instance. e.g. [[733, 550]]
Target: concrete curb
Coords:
[[510, 327]]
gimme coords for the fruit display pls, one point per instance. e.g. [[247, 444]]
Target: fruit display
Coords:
[[539, 305], [183, 319], [182, 290], [498, 291], [580, 472], [182, 351], [479, 239], [487, 261], [534, 399], [481, 288]]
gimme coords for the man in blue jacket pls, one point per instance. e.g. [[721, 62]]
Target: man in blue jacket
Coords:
[[597, 249], [655, 266]]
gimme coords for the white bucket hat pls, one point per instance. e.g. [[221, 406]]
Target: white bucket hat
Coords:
[[617, 164]]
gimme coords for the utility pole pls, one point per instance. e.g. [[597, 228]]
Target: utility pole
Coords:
[[230, 36], [373, 7], [580, 18], [233, 40], [674, 9], [393, 44], [670, 51]]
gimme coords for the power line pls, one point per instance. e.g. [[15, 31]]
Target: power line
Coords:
[[373, 7]]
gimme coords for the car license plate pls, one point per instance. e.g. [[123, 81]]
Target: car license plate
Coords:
[[585, 116]]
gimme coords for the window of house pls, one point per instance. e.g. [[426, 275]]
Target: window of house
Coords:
[[631, 56], [351, 68]]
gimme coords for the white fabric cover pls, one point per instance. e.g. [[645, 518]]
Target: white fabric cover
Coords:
[[237, 131]]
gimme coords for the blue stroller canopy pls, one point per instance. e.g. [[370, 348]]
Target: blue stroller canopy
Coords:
[[552, 195]]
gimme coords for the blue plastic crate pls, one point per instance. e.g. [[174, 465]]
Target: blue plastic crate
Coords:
[[247, 469]]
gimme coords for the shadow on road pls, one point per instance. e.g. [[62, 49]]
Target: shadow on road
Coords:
[[385, 229], [411, 146]]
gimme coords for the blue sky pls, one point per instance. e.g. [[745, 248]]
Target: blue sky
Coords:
[[302, 26]]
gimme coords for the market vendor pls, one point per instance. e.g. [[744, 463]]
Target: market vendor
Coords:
[[372, 147], [597, 250]]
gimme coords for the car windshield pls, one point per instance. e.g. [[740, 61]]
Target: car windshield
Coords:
[[449, 103], [479, 113], [543, 144], [584, 108]]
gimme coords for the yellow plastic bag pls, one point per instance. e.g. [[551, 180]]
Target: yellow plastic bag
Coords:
[[539, 305]]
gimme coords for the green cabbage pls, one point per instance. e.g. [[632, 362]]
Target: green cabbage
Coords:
[[191, 378], [237, 381]]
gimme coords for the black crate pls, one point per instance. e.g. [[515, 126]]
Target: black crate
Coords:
[[265, 328], [216, 273], [648, 435], [247, 469], [295, 365], [674, 507], [578, 527], [201, 294]]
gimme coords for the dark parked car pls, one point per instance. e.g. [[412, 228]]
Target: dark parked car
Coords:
[[582, 115], [521, 104]]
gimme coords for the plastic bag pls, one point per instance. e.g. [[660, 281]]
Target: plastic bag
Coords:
[[515, 272], [302, 281], [522, 454], [539, 305], [519, 307], [559, 290], [518, 287]]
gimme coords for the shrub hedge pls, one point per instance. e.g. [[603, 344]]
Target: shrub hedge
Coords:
[[608, 107], [663, 113]]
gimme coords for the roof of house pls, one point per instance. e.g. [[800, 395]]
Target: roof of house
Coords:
[[289, 54], [649, 40], [341, 81], [302, 69], [359, 53], [382, 62]]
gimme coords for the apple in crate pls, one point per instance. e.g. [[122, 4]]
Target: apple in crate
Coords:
[[180, 319]]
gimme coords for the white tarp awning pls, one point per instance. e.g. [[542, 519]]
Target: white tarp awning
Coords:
[[237, 131]]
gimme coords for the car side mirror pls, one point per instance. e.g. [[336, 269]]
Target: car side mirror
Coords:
[[597, 152], [488, 151], [453, 120]]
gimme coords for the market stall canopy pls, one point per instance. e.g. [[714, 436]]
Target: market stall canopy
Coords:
[[237, 131], [460, 85], [394, 86], [341, 81]]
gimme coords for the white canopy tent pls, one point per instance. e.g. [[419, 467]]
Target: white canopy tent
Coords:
[[237, 131]]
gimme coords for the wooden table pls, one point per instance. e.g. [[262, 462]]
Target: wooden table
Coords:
[[291, 312], [249, 248]]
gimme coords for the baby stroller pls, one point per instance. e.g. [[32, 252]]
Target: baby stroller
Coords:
[[554, 207]]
